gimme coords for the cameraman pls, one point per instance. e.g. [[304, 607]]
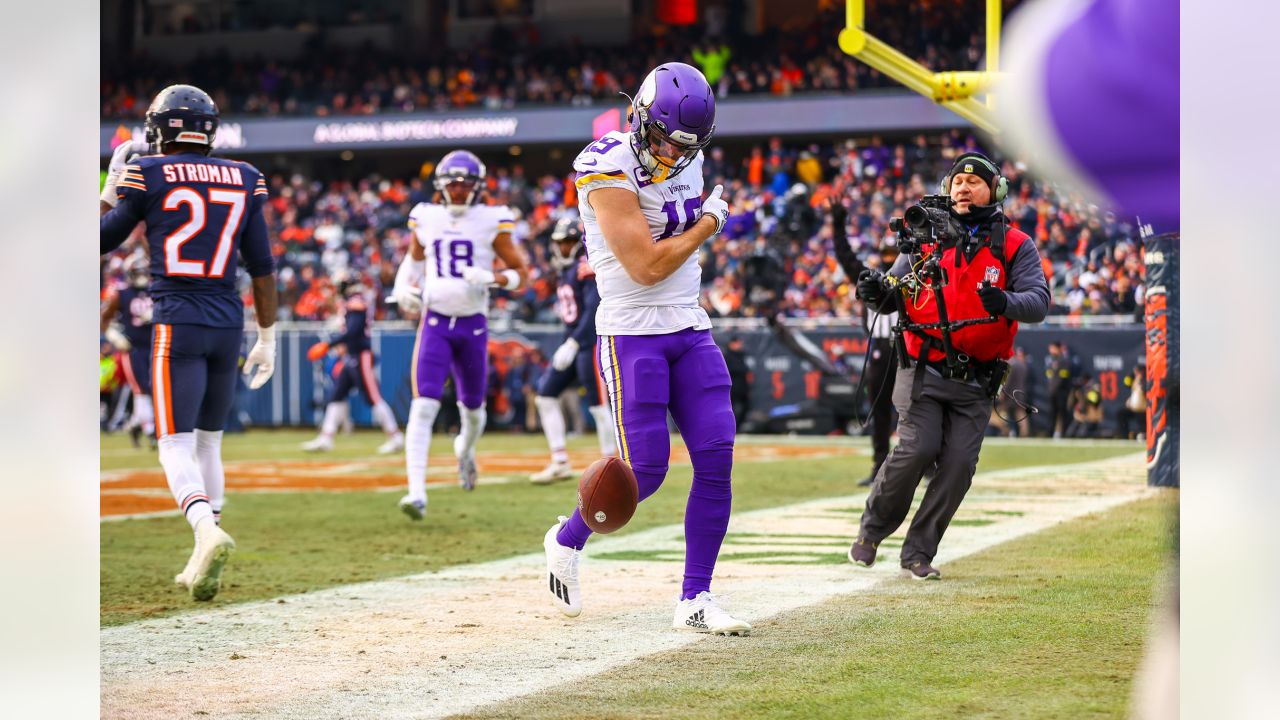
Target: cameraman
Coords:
[[991, 270]]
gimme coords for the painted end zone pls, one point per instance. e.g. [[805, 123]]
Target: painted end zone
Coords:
[[131, 493]]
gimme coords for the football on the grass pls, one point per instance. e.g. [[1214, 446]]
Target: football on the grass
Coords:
[[607, 495]]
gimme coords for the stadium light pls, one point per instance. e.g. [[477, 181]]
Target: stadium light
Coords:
[[955, 90]]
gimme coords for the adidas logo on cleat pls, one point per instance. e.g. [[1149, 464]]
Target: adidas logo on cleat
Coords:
[[696, 621], [559, 589]]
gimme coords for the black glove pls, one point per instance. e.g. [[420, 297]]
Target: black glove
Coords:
[[993, 298], [871, 287], [838, 212]]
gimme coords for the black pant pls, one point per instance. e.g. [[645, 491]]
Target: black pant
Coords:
[[879, 383], [947, 424], [1061, 411]]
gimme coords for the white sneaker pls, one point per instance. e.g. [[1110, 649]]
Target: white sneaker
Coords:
[[553, 472], [562, 572], [467, 472], [415, 509], [320, 444], [702, 614], [395, 443], [213, 549]]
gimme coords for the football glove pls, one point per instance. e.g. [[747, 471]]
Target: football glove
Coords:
[[117, 339], [124, 152], [408, 297], [317, 351], [565, 354], [716, 208], [262, 358], [478, 276]]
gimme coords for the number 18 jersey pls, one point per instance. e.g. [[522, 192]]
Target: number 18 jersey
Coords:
[[453, 242], [670, 207]]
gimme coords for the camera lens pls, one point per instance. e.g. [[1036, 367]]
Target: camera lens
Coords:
[[916, 216]]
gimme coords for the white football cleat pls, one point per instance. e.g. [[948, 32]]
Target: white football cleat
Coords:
[[320, 444], [395, 443], [415, 509], [213, 549], [702, 614], [562, 572], [183, 579], [553, 472], [467, 472]]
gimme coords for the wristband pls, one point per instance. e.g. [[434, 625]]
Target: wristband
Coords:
[[511, 279], [267, 335]]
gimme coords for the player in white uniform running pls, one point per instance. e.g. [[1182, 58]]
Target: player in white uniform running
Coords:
[[451, 260], [640, 195]]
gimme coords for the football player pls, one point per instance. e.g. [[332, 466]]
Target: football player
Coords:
[[574, 360], [353, 370], [451, 260], [199, 212], [640, 195], [126, 318]]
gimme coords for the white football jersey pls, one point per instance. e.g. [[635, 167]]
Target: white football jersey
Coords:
[[671, 207], [452, 243]]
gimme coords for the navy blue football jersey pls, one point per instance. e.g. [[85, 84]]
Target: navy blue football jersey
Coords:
[[576, 301], [356, 335], [200, 212], [134, 314]]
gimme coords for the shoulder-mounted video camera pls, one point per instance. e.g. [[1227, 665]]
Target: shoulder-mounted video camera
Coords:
[[928, 222]]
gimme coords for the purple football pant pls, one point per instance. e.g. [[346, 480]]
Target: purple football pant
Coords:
[[684, 372], [460, 344]]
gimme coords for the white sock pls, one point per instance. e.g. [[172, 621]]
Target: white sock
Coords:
[[417, 443], [145, 414], [334, 413], [604, 430], [472, 426], [209, 460], [382, 413], [553, 427], [177, 457]]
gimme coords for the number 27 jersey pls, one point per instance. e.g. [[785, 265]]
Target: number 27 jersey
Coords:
[[451, 243]]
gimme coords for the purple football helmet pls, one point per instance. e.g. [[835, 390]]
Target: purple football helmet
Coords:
[[672, 119], [460, 166]]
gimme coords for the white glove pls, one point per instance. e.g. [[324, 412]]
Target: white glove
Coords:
[[263, 357], [408, 299], [565, 354], [117, 339], [478, 276], [406, 292], [124, 152], [716, 208]]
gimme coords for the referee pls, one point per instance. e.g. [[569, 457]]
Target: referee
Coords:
[[880, 372]]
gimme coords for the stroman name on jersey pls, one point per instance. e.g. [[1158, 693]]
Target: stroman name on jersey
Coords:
[[201, 172]]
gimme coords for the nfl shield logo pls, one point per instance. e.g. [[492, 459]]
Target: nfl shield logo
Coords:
[[992, 275], [175, 122]]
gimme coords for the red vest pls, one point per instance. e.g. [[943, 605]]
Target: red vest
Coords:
[[984, 342]]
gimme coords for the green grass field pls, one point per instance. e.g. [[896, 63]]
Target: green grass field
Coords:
[[297, 542], [1047, 626]]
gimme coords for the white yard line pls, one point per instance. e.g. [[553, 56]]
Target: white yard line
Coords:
[[440, 643]]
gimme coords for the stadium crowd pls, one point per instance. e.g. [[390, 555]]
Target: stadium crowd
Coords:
[[775, 255], [515, 67], [776, 244]]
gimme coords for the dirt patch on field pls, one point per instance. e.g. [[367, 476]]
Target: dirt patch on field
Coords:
[[135, 492]]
